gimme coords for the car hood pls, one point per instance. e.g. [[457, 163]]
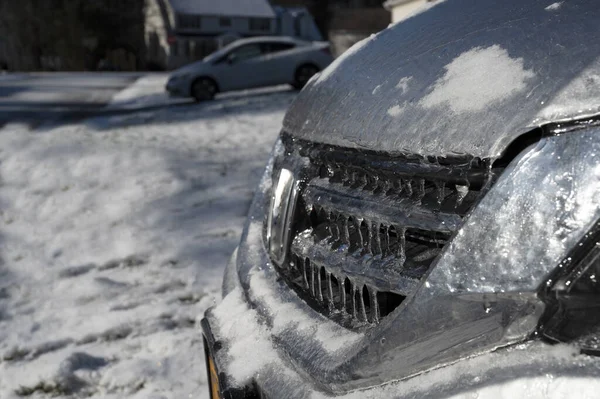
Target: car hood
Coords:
[[190, 68], [466, 77]]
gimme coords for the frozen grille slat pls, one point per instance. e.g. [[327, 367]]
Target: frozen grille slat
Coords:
[[387, 273], [384, 209], [368, 229]]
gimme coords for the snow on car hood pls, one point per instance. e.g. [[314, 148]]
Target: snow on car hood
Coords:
[[464, 78]]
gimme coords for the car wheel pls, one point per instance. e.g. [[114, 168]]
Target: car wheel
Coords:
[[204, 89], [303, 75]]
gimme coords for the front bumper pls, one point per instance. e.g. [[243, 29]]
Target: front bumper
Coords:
[[241, 345], [177, 88], [534, 370], [263, 337], [254, 378], [218, 385]]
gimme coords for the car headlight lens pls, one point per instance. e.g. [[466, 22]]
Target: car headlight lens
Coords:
[[175, 78], [280, 214]]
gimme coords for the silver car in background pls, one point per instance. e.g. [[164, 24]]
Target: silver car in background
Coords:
[[250, 63]]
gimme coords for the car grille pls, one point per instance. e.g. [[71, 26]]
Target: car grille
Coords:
[[368, 226]]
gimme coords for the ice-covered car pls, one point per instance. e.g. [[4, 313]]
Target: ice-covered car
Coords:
[[250, 63], [427, 225]]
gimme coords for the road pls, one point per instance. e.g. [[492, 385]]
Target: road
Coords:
[[46, 97]]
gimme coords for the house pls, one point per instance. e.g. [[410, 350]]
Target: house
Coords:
[[69, 35], [403, 9], [297, 22], [344, 22], [181, 31]]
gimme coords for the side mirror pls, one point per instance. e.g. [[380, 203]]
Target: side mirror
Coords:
[[231, 58]]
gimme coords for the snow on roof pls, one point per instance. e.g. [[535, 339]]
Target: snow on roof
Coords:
[[393, 3], [389, 4], [231, 8]]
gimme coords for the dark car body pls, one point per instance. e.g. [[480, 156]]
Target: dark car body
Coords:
[[434, 197]]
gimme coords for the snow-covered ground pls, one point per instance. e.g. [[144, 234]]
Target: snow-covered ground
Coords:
[[148, 91], [113, 236], [114, 233]]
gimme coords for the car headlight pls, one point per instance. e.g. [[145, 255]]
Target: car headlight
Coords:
[[175, 78], [280, 214]]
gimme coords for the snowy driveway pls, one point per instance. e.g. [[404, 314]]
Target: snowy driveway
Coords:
[[113, 236], [36, 97]]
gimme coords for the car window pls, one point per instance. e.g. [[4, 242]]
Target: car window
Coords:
[[276, 47], [246, 52], [221, 54]]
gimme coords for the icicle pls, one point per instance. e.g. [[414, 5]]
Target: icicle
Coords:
[[397, 185], [386, 241], [374, 305], [421, 192], [332, 170], [322, 216], [369, 237], [346, 230], [440, 191], [461, 192], [304, 267], [333, 228], [343, 294], [345, 178], [320, 285], [380, 186], [409, 189], [401, 254], [312, 279], [375, 182], [329, 292], [364, 181], [354, 307], [360, 235], [361, 300], [376, 231]]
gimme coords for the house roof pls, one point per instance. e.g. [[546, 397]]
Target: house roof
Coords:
[[393, 3], [229, 8]]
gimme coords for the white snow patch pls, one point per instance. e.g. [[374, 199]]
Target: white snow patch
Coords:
[[251, 350], [289, 316], [478, 78], [554, 6], [403, 84], [397, 110], [147, 91]]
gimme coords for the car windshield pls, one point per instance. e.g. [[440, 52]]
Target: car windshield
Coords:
[[220, 53], [273, 46]]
